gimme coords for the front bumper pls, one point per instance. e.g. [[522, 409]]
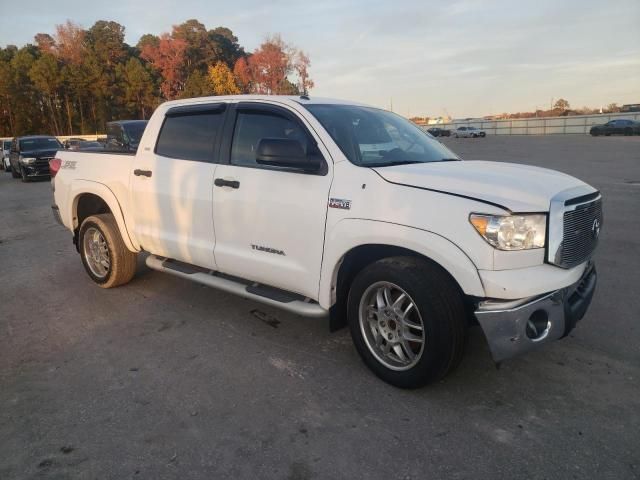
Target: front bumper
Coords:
[[36, 170], [513, 327]]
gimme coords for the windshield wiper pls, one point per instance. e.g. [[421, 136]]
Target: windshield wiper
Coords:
[[449, 160]]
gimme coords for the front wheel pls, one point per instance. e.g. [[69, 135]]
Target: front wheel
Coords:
[[407, 321], [23, 174], [104, 255]]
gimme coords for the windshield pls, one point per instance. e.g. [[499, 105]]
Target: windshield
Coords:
[[6, 145], [135, 130], [39, 144], [370, 137]]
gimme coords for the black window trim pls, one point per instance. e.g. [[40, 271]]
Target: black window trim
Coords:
[[230, 127], [193, 110]]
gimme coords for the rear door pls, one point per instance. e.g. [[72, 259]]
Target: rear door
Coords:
[[172, 185], [269, 221]]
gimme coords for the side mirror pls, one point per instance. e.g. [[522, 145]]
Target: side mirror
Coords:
[[285, 153]]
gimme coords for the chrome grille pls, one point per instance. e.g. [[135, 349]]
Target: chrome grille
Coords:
[[581, 229]]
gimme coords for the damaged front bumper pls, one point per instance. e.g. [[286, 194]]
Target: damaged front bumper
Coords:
[[513, 327]]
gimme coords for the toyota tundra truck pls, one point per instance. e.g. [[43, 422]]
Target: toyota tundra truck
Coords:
[[327, 208]]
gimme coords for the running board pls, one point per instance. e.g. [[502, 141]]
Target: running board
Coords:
[[275, 297]]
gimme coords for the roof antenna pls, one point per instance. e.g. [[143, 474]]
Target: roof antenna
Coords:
[[304, 97]]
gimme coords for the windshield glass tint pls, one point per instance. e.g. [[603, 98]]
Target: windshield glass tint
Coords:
[[370, 137], [39, 144]]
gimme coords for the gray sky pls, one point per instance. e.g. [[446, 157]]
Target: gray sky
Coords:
[[463, 57]]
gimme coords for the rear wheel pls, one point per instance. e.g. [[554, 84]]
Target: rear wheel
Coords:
[[407, 321], [104, 255]]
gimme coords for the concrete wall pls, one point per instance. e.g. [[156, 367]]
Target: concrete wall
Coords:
[[579, 124]]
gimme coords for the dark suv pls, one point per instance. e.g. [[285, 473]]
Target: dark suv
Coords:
[[29, 156], [616, 127], [124, 135]]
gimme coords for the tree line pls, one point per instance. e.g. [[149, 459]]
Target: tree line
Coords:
[[76, 80]]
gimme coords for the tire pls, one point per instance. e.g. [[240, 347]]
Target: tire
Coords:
[[23, 176], [437, 305], [628, 132], [15, 174], [121, 261], [594, 133]]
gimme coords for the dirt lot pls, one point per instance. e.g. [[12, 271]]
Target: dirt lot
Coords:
[[167, 379]]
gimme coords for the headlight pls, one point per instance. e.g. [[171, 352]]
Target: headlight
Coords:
[[511, 232], [28, 161]]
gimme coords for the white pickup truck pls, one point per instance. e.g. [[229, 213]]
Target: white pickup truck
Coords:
[[330, 208]]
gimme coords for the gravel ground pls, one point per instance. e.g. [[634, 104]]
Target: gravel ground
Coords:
[[167, 379]]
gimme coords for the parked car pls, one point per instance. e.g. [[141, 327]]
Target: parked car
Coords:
[[439, 132], [124, 135], [30, 155], [89, 145], [72, 143], [469, 132], [407, 245], [4, 160], [616, 127]]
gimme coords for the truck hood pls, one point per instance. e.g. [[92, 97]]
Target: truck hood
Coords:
[[519, 188], [40, 153]]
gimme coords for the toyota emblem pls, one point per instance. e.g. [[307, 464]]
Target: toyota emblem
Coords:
[[595, 229]]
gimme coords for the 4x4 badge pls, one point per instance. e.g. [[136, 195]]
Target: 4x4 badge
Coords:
[[340, 203]]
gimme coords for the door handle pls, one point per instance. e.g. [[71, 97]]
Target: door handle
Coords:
[[142, 173], [221, 182]]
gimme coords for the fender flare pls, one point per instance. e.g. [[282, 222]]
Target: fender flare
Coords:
[[80, 187], [348, 234]]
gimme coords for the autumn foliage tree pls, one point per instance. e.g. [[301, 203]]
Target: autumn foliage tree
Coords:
[[168, 58], [75, 80], [222, 80]]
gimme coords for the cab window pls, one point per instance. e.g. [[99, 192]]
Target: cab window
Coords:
[[252, 126]]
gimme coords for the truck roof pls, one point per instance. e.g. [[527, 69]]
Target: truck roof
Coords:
[[286, 99], [24, 137], [126, 122]]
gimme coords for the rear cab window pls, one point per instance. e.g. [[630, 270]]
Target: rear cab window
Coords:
[[191, 132]]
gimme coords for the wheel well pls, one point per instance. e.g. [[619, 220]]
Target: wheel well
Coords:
[[357, 259], [87, 204]]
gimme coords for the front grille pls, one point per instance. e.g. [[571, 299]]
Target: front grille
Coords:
[[581, 229], [42, 162]]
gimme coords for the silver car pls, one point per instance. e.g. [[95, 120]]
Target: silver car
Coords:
[[469, 132], [4, 155]]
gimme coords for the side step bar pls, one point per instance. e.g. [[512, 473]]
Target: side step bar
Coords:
[[260, 293]]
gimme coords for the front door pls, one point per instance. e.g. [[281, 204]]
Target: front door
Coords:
[[270, 222], [172, 186]]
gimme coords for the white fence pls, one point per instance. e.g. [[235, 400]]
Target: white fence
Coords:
[[578, 124]]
